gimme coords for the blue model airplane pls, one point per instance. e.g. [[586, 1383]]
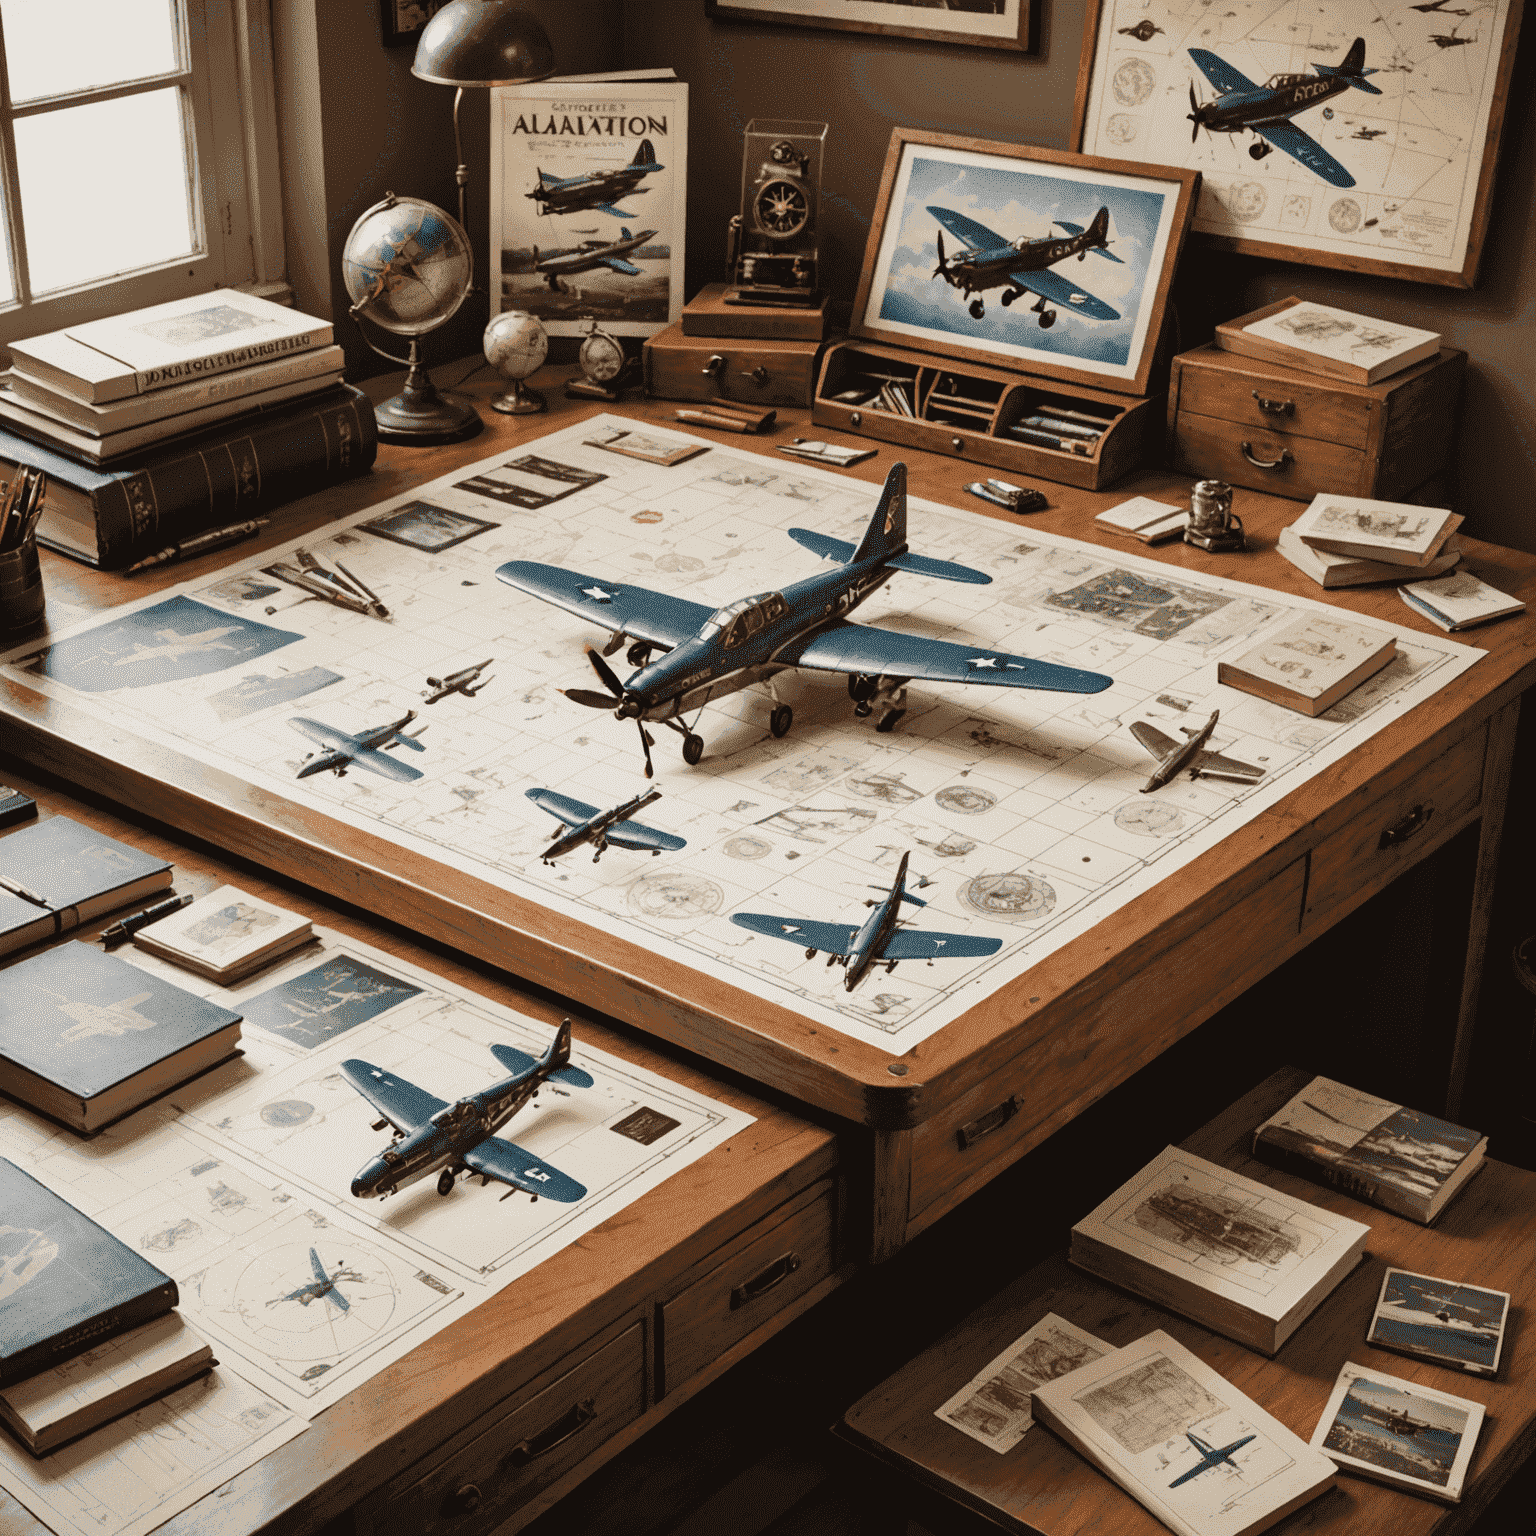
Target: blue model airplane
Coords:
[[1210, 1456], [322, 1287], [340, 750], [878, 939], [714, 652], [1267, 110], [450, 1139], [586, 824], [598, 190], [1020, 266]]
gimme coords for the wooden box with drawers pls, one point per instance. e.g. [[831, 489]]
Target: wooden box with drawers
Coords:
[[1270, 428], [757, 370]]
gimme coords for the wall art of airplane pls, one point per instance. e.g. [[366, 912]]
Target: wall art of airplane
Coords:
[[450, 1139], [598, 190], [1174, 756], [877, 940], [714, 652], [461, 681], [313, 579], [584, 823], [589, 255], [1267, 110], [174, 645], [340, 750], [322, 1287], [1210, 1456], [1021, 266]]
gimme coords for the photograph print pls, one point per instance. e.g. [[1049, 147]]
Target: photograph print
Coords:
[[1022, 257], [1447, 1321]]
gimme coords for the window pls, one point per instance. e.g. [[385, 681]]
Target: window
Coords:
[[137, 156]]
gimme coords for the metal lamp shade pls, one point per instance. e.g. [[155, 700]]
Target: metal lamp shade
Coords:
[[483, 42]]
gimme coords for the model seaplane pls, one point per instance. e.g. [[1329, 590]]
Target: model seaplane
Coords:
[[1174, 756], [1210, 1456], [1266, 110], [877, 940], [463, 681], [588, 256], [598, 190], [450, 1139], [1022, 266], [340, 750], [583, 823], [714, 652]]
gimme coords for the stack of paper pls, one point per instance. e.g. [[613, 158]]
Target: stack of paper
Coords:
[[1142, 518], [1330, 570]]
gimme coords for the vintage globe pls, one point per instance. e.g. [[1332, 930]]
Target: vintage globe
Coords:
[[515, 344], [407, 265]]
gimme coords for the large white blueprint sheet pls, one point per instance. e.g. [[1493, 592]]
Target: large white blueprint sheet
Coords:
[[1022, 810]]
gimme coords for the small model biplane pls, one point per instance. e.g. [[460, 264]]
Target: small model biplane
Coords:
[[1019, 267], [598, 190], [1210, 1456], [877, 940], [452, 1139], [322, 1288], [340, 586], [589, 255], [714, 652], [464, 681], [1266, 110], [584, 823], [340, 750], [1174, 756]]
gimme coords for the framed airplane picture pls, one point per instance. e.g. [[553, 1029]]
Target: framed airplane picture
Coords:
[[1361, 136], [1027, 258], [980, 23]]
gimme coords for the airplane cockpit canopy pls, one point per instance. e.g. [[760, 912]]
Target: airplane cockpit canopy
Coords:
[[744, 618], [1279, 82]]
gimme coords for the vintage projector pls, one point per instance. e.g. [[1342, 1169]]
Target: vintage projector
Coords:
[[772, 248]]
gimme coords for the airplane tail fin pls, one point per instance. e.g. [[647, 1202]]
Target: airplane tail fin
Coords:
[[557, 1059], [645, 155], [624, 234], [887, 531], [1351, 69], [1098, 233]]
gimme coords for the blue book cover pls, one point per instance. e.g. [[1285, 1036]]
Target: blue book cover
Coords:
[[65, 1283]]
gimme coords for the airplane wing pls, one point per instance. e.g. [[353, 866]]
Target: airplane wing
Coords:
[[635, 834], [845, 647], [1195, 1471], [1153, 739], [515, 1060], [571, 812], [619, 265], [382, 763], [498, 1159], [978, 236], [1053, 286], [614, 605], [617, 213], [829, 938], [919, 565], [1214, 766], [403, 1104], [915, 944], [321, 735], [337, 1300], [1299, 146], [1220, 73], [318, 1267]]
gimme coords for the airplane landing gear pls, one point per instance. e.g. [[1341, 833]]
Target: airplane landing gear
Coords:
[[1048, 319], [780, 720], [1259, 151], [891, 700], [1010, 294], [887, 721], [445, 1181], [693, 749], [861, 689], [977, 309], [638, 654]]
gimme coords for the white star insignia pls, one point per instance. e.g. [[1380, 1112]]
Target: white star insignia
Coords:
[[983, 661], [598, 595], [790, 927]]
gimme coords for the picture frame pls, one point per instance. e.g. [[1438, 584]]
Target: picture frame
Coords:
[[404, 20], [1012, 24], [1018, 193], [1393, 177]]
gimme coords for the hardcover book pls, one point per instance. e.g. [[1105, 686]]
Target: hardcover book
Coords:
[[1330, 570], [1334, 342], [65, 1283], [1234, 1255], [87, 1037], [1182, 1440], [1459, 601], [80, 873], [1310, 664], [225, 935], [167, 344], [1399, 1432], [110, 1379], [1393, 532], [1409, 1163], [1447, 1321]]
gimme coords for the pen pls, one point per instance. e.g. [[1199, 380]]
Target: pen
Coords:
[[707, 419], [131, 925], [200, 544], [16, 888]]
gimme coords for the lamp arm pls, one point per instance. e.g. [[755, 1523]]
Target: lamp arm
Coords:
[[461, 173]]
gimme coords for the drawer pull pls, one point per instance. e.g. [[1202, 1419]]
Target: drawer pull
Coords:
[[712, 366], [765, 1280], [758, 375], [464, 1502], [570, 1423], [994, 1119], [1275, 407], [1410, 826], [1286, 458]]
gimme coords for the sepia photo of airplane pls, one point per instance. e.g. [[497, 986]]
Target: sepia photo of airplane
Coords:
[[590, 255], [597, 190]]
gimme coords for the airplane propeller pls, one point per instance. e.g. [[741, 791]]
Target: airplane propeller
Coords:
[[594, 700], [1194, 114], [943, 265]]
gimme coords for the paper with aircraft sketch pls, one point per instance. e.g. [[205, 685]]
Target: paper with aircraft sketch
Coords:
[[1022, 810], [237, 1183]]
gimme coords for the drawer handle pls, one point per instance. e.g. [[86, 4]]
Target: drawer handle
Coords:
[[1275, 407], [765, 1280], [713, 366], [464, 1502], [1410, 826], [570, 1423], [1286, 457], [758, 375], [994, 1119]]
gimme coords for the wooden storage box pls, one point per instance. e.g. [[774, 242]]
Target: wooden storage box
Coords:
[[1289, 433], [756, 371]]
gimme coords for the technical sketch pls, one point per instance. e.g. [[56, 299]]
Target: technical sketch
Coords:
[[1216, 1227], [1151, 1403]]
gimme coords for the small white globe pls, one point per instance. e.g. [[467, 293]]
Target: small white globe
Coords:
[[515, 344]]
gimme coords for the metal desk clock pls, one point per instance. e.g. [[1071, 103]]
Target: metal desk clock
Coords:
[[773, 240], [604, 368]]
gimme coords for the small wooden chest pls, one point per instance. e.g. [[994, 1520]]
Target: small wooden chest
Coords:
[[758, 370], [1289, 433]]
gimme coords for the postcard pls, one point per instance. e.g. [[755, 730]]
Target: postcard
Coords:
[[1446, 1321]]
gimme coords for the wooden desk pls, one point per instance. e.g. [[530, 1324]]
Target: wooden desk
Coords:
[[1041, 1049], [1042, 1486], [638, 1314]]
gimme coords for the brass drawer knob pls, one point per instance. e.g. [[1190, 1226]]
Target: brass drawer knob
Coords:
[[855, 418], [1286, 458], [712, 365], [1410, 826], [765, 1280], [1275, 407], [465, 1501], [758, 375]]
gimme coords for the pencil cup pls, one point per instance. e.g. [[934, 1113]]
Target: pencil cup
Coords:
[[21, 588]]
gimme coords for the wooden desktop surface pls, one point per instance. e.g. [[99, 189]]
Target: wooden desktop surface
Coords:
[[1484, 1236], [948, 1115]]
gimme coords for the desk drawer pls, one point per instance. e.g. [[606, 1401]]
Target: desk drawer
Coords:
[[1395, 827], [1279, 463], [524, 1451], [759, 1275], [1283, 404]]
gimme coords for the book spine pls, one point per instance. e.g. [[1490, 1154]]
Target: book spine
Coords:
[[147, 379], [237, 478], [74, 1341], [1373, 1191]]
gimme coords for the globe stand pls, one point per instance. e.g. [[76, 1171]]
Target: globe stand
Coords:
[[520, 401], [420, 414]]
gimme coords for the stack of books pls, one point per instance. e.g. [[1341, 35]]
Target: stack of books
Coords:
[[178, 419], [1336, 343], [1376, 540], [226, 935]]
